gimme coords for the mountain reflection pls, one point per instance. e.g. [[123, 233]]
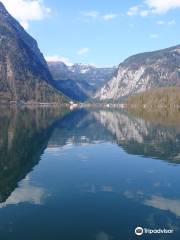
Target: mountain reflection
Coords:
[[24, 134], [134, 134], [78, 127], [142, 137], [89, 175]]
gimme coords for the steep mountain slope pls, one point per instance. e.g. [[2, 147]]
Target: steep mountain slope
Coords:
[[24, 75], [143, 72], [87, 78], [71, 89]]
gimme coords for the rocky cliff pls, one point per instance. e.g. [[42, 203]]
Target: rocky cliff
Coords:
[[143, 72]]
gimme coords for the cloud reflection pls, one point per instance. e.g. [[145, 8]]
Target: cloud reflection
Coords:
[[103, 236], [172, 205], [25, 193]]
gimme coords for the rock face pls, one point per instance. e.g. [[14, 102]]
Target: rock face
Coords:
[[83, 79], [143, 72], [24, 74]]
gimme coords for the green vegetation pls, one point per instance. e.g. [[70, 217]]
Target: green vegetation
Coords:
[[156, 98]]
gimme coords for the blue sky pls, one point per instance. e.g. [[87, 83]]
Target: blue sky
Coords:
[[101, 32]]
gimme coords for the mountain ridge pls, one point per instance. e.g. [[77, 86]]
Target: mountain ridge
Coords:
[[85, 78], [24, 74], [142, 72]]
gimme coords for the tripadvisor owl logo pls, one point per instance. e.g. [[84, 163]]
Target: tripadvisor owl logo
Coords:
[[139, 231]]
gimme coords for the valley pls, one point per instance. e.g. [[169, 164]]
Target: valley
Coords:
[[89, 120], [26, 77]]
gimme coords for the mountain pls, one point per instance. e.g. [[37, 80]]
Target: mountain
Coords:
[[83, 79], [143, 72], [72, 89], [24, 74]]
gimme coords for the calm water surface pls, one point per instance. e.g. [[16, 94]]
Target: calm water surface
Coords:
[[88, 175]]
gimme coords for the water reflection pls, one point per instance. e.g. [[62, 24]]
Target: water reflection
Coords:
[[26, 193], [141, 137], [103, 236], [98, 177], [172, 205], [79, 127], [134, 134], [24, 135]]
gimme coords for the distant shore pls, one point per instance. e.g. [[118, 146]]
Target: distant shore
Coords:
[[160, 98]]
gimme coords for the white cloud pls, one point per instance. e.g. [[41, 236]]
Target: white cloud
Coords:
[[154, 36], [138, 10], [83, 51], [109, 17], [57, 58], [153, 7], [133, 11], [91, 14], [162, 6], [27, 10], [97, 15], [160, 22], [171, 22], [144, 13]]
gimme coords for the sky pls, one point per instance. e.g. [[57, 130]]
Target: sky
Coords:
[[99, 32]]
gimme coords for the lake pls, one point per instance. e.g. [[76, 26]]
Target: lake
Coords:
[[88, 174]]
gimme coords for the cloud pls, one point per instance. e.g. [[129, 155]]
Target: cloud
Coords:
[[160, 22], [162, 6], [153, 7], [91, 14], [171, 22], [27, 10], [138, 10], [144, 13], [57, 58], [83, 51], [133, 11], [109, 17], [155, 36], [95, 14]]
